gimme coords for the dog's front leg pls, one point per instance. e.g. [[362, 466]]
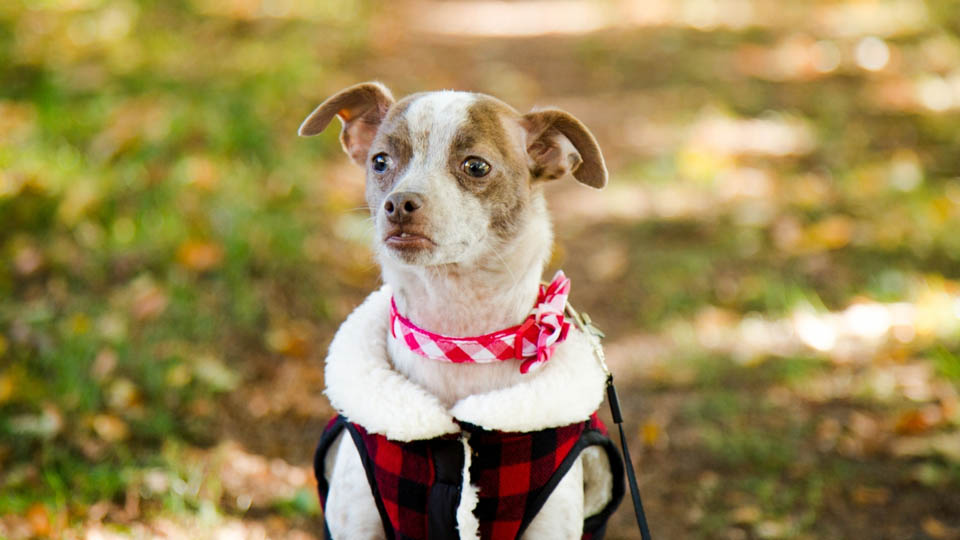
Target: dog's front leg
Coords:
[[562, 515], [351, 512]]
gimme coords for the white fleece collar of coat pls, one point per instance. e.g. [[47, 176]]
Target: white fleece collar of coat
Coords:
[[363, 386]]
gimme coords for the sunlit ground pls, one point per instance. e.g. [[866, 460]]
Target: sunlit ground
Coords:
[[776, 261]]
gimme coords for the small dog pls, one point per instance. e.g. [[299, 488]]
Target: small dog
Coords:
[[446, 441]]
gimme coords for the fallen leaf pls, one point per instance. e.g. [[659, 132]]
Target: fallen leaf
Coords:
[[6, 387], [122, 394], [929, 474], [110, 428], [179, 375], [944, 444], [148, 299], [212, 371], [832, 233], [200, 255], [935, 528], [79, 324], [113, 327], [918, 420], [290, 339], [91, 447], [771, 529], [44, 425], [745, 515], [650, 433], [39, 520], [865, 495], [27, 260], [202, 172], [98, 511], [103, 364]]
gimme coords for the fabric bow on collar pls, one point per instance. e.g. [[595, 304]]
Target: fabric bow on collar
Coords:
[[532, 341]]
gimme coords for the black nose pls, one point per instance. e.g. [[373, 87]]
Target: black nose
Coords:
[[401, 206]]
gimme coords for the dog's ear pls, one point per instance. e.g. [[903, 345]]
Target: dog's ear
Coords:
[[361, 108], [558, 143]]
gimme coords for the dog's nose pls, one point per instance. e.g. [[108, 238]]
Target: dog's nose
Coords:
[[401, 206]]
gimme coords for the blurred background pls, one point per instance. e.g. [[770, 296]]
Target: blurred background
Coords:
[[776, 260]]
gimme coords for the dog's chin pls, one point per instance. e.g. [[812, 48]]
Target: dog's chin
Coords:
[[422, 252], [409, 248]]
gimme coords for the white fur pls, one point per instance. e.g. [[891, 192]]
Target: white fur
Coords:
[[467, 524], [561, 517], [350, 510], [597, 480], [363, 385]]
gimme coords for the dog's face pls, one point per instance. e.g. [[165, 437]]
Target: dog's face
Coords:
[[450, 175]]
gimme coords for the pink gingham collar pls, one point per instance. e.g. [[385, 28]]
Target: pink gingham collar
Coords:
[[532, 341]]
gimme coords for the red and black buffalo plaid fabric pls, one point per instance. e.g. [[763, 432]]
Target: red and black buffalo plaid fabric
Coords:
[[417, 484]]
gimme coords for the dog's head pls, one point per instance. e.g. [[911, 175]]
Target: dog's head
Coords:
[[452, 176]]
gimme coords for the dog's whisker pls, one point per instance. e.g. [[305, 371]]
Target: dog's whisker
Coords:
[[513, 276]]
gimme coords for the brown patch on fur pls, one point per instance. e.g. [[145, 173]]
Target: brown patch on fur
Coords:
[[506, 190], [394, 139]]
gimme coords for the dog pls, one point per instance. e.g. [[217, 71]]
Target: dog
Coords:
[[461, 449]]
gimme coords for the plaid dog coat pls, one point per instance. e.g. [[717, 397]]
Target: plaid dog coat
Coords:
[[481, 467], [416, 485]]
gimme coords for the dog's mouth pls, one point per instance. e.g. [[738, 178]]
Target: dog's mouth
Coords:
[[407, 240]]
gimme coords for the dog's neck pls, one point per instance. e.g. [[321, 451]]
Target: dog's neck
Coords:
[[495, 292], [487, 295]]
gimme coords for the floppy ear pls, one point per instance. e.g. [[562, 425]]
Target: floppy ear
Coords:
[[557, 144], [361, 108]]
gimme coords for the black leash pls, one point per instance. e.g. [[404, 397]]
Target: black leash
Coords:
[[627, 461], [586, 326]]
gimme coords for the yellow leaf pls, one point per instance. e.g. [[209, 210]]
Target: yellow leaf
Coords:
[[746, 514], [110, 428], [79, 324], [833, 232], [6, 387], [39, 520], [202, 172], [179, 375], [650, 432], [935, 528], [122, 394], [199, 255], [17, 119], [291, 339]]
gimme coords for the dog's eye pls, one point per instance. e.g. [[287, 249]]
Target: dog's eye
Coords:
[[476, 167], [381, 162]]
